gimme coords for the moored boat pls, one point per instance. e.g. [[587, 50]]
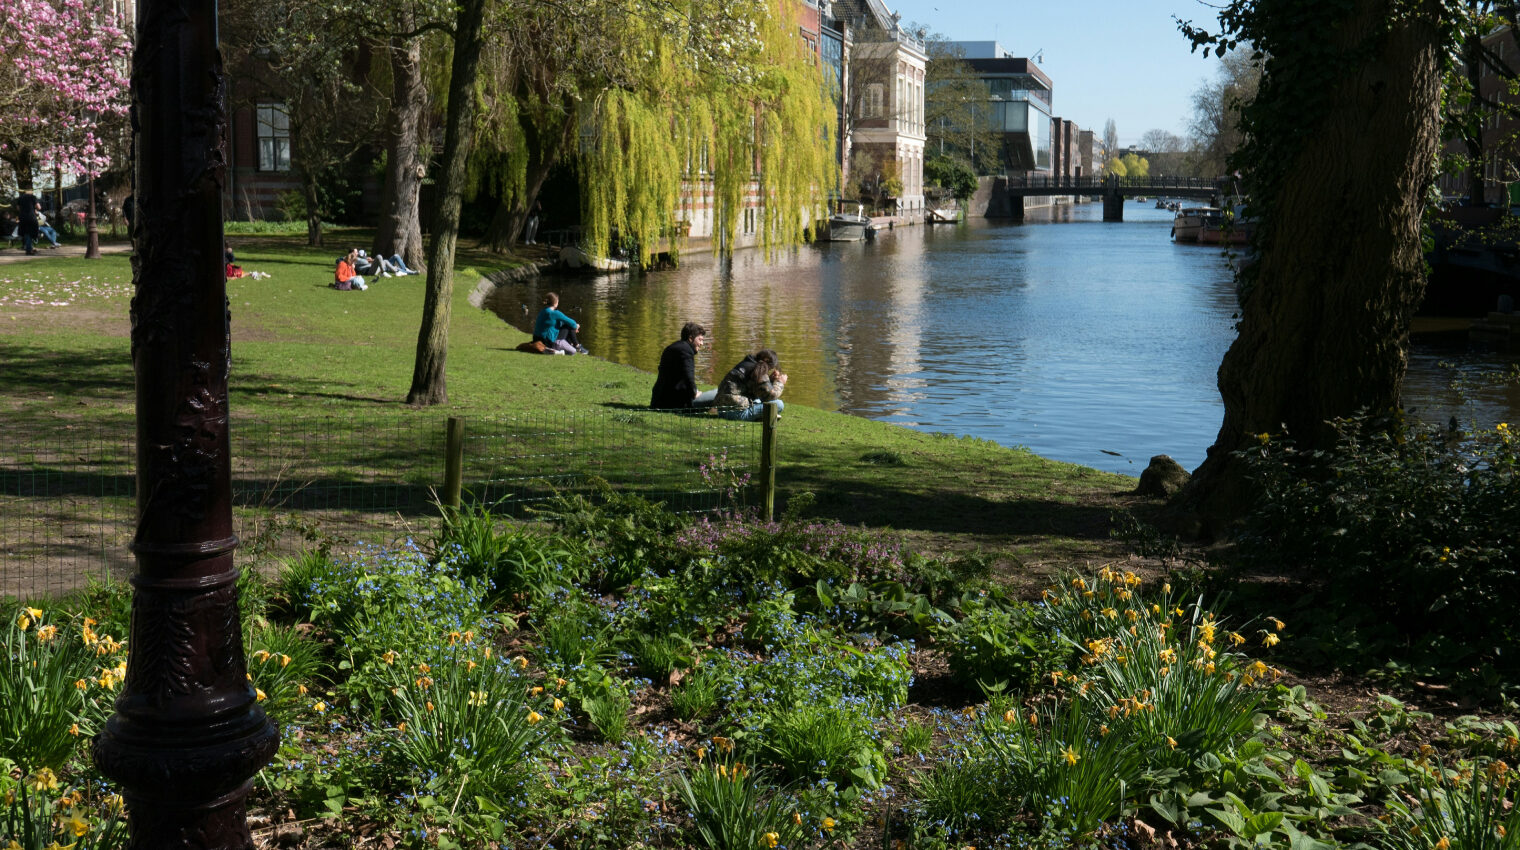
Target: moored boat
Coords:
[[849, 226], [943, 215], [576, 257], [1191, 221]]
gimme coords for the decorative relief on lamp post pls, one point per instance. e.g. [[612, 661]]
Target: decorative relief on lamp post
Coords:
[[188, 735]]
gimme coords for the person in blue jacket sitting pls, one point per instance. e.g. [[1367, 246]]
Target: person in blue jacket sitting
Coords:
[[556, 330]]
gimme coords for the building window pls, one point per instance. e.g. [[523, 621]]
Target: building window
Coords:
[[875, 101], [274, 137]]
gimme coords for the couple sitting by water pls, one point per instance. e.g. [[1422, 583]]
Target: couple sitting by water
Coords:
[[741, 395]]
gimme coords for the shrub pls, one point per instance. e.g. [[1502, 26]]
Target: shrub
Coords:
[[516, 564], [996, 642], [1414, 526]]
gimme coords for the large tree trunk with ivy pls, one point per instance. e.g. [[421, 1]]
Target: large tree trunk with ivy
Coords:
[[400, 227], [429, 384], [1325, 310]]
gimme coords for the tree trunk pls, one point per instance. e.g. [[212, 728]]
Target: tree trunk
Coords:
[[429, 382], [313, 210], [1325, 317], [400, 227], [21, 161]]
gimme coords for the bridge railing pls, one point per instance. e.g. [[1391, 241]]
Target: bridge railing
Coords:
[[1099, 184]]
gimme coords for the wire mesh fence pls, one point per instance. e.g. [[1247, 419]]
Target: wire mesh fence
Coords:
[[68, 499]]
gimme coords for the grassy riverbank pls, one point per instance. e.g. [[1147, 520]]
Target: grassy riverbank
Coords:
[[301, 348]]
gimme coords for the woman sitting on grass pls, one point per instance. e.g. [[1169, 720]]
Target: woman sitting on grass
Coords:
[[556, 330], [749, 385]]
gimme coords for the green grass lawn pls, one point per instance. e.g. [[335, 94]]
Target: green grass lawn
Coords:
[[301, 348]]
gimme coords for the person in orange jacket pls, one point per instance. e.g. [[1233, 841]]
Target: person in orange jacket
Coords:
[[345, 277]]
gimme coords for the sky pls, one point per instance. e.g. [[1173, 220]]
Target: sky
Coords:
[[1119, 59]]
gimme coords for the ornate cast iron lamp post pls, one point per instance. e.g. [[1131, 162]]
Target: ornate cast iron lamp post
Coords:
[[187, 735]]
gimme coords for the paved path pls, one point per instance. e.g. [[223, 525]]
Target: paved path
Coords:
[[66, 249]]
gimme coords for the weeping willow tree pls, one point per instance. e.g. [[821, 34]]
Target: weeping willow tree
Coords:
[[742, 100]]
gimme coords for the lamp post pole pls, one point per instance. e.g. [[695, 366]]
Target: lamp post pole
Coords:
[[187, 736], [91, 226]]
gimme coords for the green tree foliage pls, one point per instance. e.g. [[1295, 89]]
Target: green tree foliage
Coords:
[[956, 117], [1472, 106], [750, 104], [951, 175]]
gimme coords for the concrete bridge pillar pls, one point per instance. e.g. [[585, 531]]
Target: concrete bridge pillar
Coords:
[[1113, 204]]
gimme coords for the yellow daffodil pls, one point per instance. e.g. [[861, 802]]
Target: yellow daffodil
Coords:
[[1166, 587], [1009, 716], [469, 665], [701, 753], [43, 780], [1271, 639], [534, 717], [723, 744], [35, 613], [1168, 655], [454, 638], [559, 704], [424, 668], [81, 684], [828, 824], [47, 633], [301, 689], [796, 818], [261, 656], [401, 727], [258, 695], [559, 683], [74, 730], [535, 691], [389, 657], [521, 662], [284, 659], [1171, 742], [477, 698], [424, 682], [969, 711], [1236, 638], [429, 705], [1034, 719], [320, 707], [23, 622], [1277, 625], [1103, 730], [76, 825], [1111, 613], [1070, 755], [1443, 844], [770, 839]]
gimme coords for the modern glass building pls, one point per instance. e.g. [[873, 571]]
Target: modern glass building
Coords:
[[1019, 103]]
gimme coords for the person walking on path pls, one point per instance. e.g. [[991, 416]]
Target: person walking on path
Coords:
[[675, 384], [26, 216]]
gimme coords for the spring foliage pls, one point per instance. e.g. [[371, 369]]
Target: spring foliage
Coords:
[[746, 106]]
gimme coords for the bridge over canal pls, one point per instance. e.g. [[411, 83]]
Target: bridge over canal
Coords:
[[1115, 189]]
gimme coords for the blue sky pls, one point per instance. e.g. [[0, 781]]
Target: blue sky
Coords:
[[1109, 59]]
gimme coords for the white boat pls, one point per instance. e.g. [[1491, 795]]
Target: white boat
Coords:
[[943, 215], [576, 257], [849, 226], [1190, 221]]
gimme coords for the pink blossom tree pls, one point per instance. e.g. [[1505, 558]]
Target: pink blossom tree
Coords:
[[63, 85]]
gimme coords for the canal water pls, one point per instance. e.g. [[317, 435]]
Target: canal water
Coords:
[[1085, 341]]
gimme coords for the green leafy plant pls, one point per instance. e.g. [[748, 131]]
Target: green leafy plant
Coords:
[[280, 663], [996, 642], [732, 808], [813, 742], [37, 813], [57, 685], [697, 695], [1471, 808]]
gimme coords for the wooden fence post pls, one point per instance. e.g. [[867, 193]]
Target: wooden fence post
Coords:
[[768, 461], [453, 463]]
